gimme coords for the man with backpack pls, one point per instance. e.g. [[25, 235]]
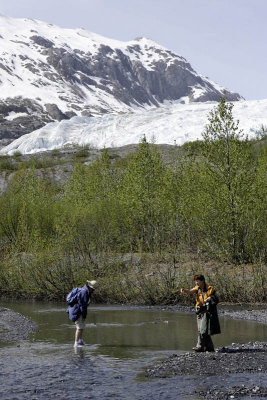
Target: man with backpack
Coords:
[[79, 299]]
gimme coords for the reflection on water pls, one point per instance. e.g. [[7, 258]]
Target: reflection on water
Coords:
[[128, 332]]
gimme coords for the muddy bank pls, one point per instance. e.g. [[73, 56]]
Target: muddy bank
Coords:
[[14, 326]]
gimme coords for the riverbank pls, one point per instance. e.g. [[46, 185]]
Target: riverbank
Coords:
[[234, 360], [237, 358], [14, 326]]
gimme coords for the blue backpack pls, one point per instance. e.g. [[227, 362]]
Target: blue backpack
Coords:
[[72, 296]]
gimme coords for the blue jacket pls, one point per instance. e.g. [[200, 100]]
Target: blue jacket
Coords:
[[80, 308]]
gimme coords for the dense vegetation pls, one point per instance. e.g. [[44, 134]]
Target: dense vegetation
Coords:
[[142, 226]]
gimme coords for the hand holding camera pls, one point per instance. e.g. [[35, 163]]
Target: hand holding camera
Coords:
[[202, 309]]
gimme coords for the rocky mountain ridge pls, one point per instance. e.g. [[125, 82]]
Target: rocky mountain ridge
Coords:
[[49, 74]]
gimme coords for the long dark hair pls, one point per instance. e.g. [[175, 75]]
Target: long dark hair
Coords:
[[199, 277]]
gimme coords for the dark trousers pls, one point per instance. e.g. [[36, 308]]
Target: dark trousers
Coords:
[[203, 341]]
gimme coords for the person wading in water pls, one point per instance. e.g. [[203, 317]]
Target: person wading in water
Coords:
[[78, 312]]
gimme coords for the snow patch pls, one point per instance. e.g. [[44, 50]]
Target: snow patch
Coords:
[[13, 115]]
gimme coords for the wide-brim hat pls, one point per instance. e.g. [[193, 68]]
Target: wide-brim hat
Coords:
[[92, 284]]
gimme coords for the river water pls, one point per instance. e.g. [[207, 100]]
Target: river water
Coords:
[[120, 342]]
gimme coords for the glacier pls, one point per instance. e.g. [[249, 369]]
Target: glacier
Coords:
[[169, 124]]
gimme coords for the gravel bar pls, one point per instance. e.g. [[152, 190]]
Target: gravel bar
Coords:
[[14, 326], [237, 358]]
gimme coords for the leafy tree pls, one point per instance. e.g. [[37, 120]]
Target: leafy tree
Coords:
[[27, 210], [228, 176], [89, 206], [142, 195]]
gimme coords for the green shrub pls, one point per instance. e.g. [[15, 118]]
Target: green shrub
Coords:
[[82, 153], [55, 153], [17, 155], [7, 164], [38, 162]]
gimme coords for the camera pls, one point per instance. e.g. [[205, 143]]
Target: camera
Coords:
[[202, 309]]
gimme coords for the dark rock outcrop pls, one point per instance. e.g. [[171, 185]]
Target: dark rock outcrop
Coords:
[[30, 116], [41, 41], [55, 113]]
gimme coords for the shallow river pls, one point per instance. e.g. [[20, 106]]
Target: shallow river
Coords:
[[120, 343]]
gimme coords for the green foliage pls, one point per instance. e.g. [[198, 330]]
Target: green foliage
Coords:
[[38, 163], [17, 154], [7, 164], [82, 153], [193, 148], [89, 204], [26, 212], [224, 188], [262, 132], [207, 203], [142, 193], [55, 153]]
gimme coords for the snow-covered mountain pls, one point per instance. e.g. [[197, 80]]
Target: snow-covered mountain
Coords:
[[50, 74], [173, 124]]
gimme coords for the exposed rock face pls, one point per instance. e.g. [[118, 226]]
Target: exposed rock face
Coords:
[[54, 112], [29, 115], [48, 73]]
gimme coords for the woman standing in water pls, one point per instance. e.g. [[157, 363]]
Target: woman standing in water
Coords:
[[206, 310]]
